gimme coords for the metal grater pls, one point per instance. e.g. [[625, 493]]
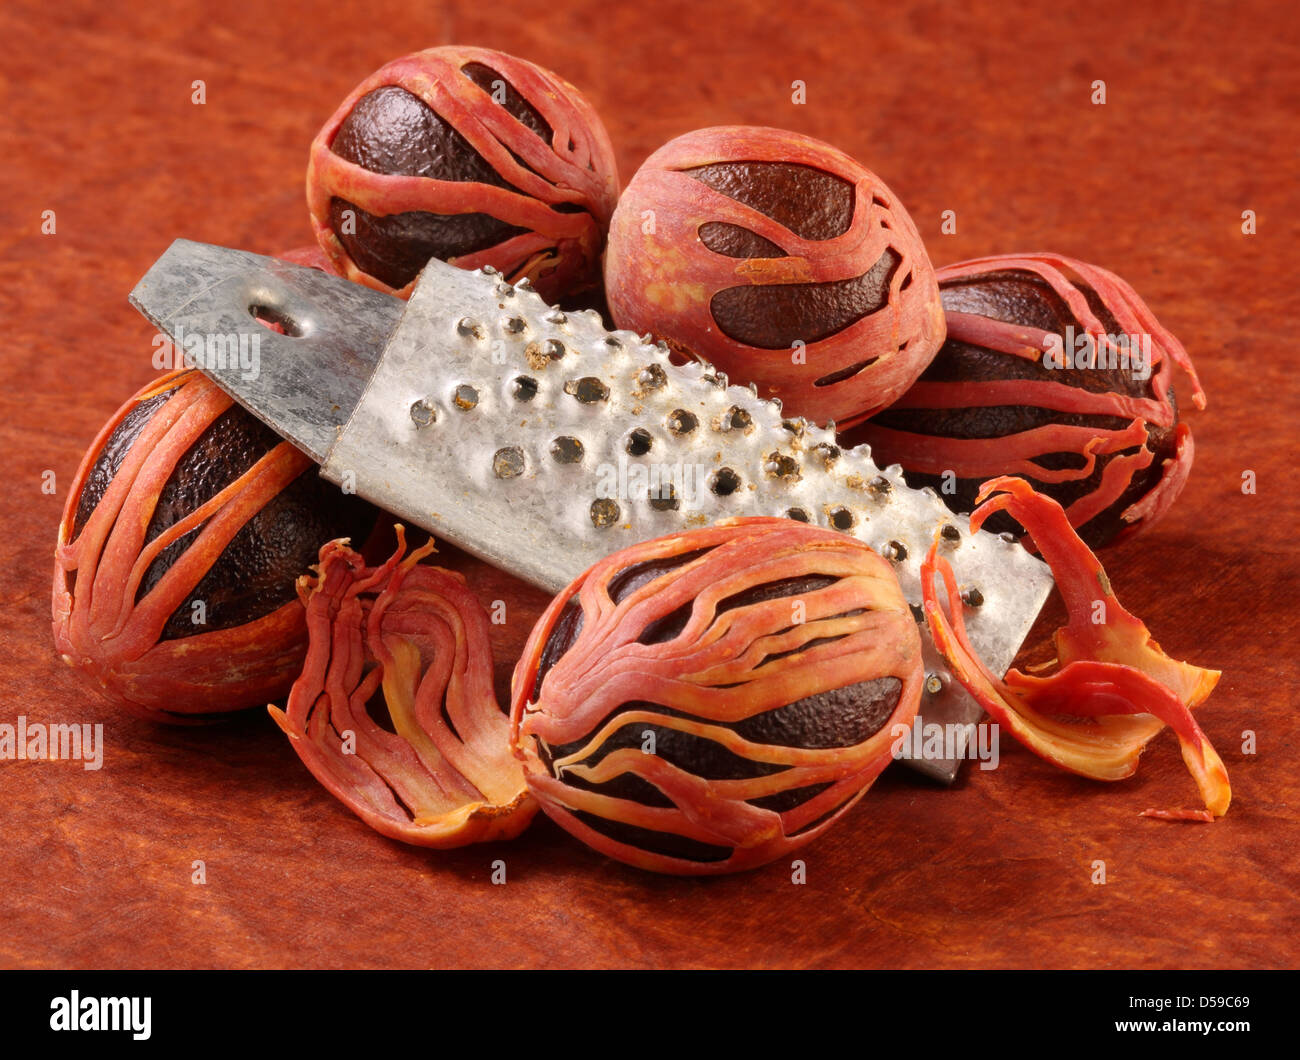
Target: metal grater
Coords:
[[498, 423]]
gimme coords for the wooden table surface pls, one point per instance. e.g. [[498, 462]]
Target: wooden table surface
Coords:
[[983, 109]]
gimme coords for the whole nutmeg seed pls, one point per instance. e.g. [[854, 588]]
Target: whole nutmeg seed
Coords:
[[471, 156], [184, 530], [1056, 371], [782, 261], [708, 701]]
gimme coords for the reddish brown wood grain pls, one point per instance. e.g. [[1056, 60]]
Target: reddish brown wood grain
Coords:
[[980, 109]]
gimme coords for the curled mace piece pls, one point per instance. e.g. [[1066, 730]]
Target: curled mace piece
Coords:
[[708, 701], [409, 642], [1113, 690], [1054, 370], [184, 529], [467, 155], [782, 261]]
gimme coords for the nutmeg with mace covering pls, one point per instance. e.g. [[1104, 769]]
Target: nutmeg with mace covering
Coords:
[[183, 532], [1056, 371], [782, 261], [708, 701], [467, 155]]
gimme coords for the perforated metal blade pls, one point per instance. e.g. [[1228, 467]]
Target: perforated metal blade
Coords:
[[540, 441]]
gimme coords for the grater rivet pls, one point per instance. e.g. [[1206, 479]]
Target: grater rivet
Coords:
[[466, 397], [842, 519], [798, 514], [639, 442], [525, 388], [725, 482], [555, 316], [508, 462], [682, 422], [566, 450], [589, 390], [652, 377], [423, 413], [781, 465], [604, 512], [933, 684], [514, 325], [468, 328]]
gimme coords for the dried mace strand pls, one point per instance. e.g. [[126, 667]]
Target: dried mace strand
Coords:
[[181, 538], [1054, 370], [782, 261], [435, 769], [711, 700], [471, 156], [1113, 688]]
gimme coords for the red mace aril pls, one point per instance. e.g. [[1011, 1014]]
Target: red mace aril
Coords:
[[439, 773], [471, 156], [1054, 370], [184, 530], [1114, 688], [781, 260], [712, 700]]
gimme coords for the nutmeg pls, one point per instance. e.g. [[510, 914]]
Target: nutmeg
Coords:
[[1056, 371], [782, 261], [467, 155], [708, 701], [183, 533]]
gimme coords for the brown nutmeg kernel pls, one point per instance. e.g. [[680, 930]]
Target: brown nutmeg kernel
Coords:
[[708, 701], [182, 535], [780, 260], [1056, 371], [467, 155], [430, 764]]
